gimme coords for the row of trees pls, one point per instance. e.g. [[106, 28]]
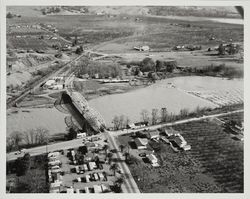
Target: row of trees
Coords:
[[32, 137], [157, 116], [213, 70], [148, 65], [120, 122], [103, 70]]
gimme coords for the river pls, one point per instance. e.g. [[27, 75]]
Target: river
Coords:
[[220, 20], [212, 90]]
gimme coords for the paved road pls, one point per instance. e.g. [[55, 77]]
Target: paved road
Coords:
[[129, 185], [78, 142], [153, 127]]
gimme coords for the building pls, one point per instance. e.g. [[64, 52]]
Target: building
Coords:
[[179, 140], [137, 125], [154, 134], [70, 190], [142, 48], [153, 160], [141, 143], [97, 189], [81, 135]]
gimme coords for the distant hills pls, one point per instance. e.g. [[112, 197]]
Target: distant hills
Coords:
[[201, 11]]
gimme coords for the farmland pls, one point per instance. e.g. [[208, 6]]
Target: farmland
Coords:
[[214, 164], [27, 43]]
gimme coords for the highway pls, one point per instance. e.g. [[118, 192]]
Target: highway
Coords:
[[154, 127], [111, 134], [129, 185]]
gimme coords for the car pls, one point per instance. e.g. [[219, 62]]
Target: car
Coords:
[[17, 152], [142, 154], [113, 150], [174, 146]]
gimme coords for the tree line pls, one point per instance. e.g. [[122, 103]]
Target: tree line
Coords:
[[103, 70], [32, 137], [158, 116]]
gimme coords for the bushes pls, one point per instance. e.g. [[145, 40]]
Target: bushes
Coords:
[[215, 70], [147, 65], [22, 164], [166, 66]]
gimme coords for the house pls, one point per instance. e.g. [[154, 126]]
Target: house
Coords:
[[81, 135], [87, 180], [153, 160], [97, 189], [137, 125], [53, 154], [50, 83], [92, 165], [141, 143], [101, 176], [54, 162], [86, 189], [105, 188], [154, 134], [186, 147], [70, 190], [179, 140], [142, 48]]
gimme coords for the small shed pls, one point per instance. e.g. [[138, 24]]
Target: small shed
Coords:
[[152, 158], [154, 134], [141, 143]]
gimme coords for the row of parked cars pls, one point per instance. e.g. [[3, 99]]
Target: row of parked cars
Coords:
[[100, 176]]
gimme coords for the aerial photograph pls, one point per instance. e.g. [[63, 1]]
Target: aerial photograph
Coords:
[[124, 99]]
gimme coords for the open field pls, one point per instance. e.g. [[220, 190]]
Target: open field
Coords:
[[27, 43], [25, 119]]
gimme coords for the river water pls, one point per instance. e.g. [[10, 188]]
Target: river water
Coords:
[[162, 94], [220, 20]]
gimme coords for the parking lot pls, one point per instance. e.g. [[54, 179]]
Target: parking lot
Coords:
[[83, 169]]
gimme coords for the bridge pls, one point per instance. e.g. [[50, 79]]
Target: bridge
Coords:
[[92, 116]]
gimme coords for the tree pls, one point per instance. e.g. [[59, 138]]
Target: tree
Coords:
[[145, 115], [109, 156], [154, 116], [72, 134], [79, 50], [121, 147], [121, 121], [42, 135], [75, 42], [105, 148], [116, 122], [22, 164], [114, 167], [147, 65], [9, 15], [158, 65], [79, 157], [171, 66], [126, 156], [10, 144], [118, 184], [17, 138], [164, 115], [221, 50], [184, 112]]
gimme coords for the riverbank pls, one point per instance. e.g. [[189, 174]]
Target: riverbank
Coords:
[[169, 93]]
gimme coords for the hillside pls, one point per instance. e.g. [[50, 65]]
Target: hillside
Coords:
[[202, 11]]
